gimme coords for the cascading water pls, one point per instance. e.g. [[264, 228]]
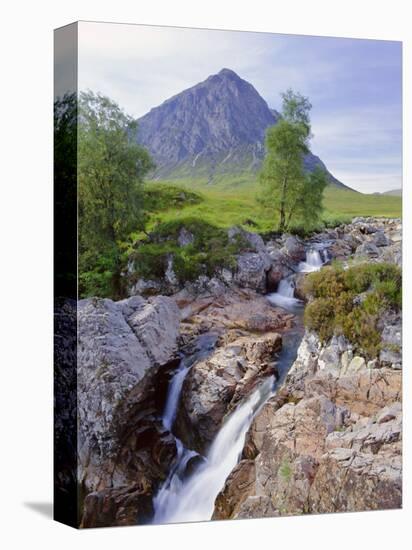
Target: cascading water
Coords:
[[193, 499], [284, 297], [173, 394], [184, 497], [313, 261]]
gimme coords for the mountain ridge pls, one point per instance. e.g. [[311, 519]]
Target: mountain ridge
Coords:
[[216, 127]]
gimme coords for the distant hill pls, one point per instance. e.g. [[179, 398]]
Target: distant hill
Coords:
[[216, 128], [393, 192]]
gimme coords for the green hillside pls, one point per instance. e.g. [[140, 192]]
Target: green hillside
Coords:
[[232, 201]]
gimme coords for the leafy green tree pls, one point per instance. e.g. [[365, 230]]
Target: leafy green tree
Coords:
[[285, 185], [111, 169]]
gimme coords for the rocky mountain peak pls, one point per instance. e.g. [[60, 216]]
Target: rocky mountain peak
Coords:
[[216, 127]]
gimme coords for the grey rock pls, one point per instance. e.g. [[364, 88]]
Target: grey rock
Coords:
[[380, 239], [251, 270], [121, 347], [294, 249], [367, 249], [185, 237], [391, 351], [254, 240]]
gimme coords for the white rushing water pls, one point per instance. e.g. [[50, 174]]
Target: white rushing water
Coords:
[[284, 297], [173, 394], [313, 262], [193, 498]]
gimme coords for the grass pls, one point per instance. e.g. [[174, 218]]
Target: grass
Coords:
[[232, 201], [207, 211]]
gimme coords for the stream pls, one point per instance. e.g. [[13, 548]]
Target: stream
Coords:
[[185, 498]]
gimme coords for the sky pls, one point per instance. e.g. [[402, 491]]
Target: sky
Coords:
[[354, 85]]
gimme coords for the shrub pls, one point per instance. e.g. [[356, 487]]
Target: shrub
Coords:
[[211, 249], [350, 302]]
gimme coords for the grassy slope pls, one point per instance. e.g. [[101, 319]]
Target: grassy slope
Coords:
[[232, 201]]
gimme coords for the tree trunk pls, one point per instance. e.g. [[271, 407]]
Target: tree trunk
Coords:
[[282, 206]]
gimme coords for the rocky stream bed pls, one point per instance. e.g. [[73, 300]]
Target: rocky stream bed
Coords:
[[213, 401]]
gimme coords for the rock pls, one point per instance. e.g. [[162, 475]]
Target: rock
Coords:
[[355, 365], [392, 254], [238, 487], [170, 276], [254, 240], [256, 507], [341, 249], [328, 441], [185, 237], [251, 270], [280, 269], [391, 346], [368, 249], [145, 287], [122, 347], [299, 279], [380, 239], [231, 309], [214, 386], [294, 249], [121, 506]]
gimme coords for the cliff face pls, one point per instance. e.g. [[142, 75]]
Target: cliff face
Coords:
[[216, 127]]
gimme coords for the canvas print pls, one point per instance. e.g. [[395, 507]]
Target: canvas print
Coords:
[[228, 280]]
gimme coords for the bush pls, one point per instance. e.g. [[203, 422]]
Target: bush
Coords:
[[350, 302], [211, 249], [160, 196]]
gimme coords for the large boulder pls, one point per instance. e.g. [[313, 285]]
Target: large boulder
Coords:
[[367, 249], [217, 384], [281, 268], [294, 249], [122, 348], [251, 270]]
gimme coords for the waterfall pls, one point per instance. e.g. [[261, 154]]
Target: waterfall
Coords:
[[313, 261], [192, 499], [284, 297], [173, 395]]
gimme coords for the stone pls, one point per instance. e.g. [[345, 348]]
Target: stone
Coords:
[[367, 249], [328, 441], [356, 364], [254, 240], [391, 347], [294, 249], [251, 270], [214, 386], [121, 348], [380, 239], [238, 487], [128, 505], [185, 237]]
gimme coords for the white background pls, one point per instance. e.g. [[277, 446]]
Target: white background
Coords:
[[26, 271]]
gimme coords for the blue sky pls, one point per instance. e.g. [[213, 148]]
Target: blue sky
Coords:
[[355, 86]]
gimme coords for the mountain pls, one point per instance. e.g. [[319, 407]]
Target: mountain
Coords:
[[393, 192], [214, 128]]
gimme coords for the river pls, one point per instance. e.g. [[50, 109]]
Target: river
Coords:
[[183, 497]]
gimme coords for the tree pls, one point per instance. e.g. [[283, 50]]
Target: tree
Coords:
[[286, 186], [111, 168]]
